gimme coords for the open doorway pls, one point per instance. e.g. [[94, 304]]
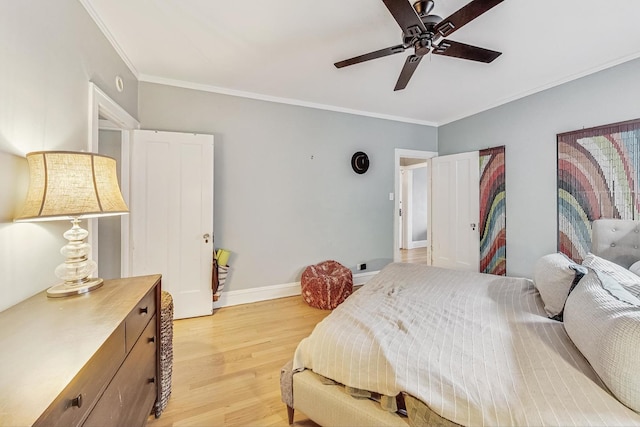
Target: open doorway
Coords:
[[414, 209], [412, 206]]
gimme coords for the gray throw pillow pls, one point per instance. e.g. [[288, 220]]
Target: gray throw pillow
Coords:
[[554, 274]]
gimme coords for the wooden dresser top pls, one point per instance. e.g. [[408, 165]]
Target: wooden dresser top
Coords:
[[44, 342]]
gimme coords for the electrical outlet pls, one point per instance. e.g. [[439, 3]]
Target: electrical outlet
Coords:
[[362, 266]]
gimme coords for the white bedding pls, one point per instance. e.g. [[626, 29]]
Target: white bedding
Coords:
[[477, 349]]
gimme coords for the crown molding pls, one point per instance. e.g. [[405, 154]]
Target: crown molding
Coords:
[[110, 38], [242, 94]]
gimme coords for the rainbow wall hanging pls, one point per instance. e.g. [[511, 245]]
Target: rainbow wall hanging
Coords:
[[598, 176], [493, 222]]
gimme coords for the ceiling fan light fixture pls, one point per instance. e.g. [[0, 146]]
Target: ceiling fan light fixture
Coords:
[[422, 47]]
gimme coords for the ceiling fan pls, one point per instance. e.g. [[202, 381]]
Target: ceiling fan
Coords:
[[424, 32]]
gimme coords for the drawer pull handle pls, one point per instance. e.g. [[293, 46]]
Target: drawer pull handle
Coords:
[[144, 310], [151, 380], [151, 339], [77, 401]]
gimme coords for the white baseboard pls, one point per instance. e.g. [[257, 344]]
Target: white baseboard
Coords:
[[246, 296], [265, 293], [362, 278]]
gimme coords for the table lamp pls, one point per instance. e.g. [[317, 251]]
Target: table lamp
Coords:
[[72, 185]]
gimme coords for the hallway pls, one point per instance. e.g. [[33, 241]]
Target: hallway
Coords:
[[415, 256]]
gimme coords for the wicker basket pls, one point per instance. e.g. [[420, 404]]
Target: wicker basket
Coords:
[[166, 351]]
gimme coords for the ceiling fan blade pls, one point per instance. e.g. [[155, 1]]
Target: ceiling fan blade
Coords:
[[465, 51], [371, 55], [406, 16], [410, 66], [464, 15]]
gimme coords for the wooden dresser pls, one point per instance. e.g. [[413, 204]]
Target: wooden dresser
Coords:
[[88, 360]]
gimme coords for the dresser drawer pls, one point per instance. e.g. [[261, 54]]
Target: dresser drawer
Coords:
[[129, 398], [139, 317], [72, 405]]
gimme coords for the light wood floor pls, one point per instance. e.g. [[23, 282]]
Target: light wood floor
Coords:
[[226, 369], [417, 255]]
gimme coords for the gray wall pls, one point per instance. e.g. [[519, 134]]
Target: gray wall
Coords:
[[50, 51], [285, 194], [528, 128]]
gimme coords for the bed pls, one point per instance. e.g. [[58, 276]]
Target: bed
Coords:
[[421, 345]]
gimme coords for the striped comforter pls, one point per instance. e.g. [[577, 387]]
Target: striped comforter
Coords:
[[477, 349]]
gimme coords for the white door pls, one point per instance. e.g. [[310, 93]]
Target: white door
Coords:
[[172, 215], [455, 211]]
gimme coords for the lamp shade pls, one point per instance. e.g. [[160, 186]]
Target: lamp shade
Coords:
[[66, 184]]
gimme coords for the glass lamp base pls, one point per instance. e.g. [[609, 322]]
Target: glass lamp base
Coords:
[[67, 289]]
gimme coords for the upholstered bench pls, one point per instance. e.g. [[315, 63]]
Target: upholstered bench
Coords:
[[326, 285]]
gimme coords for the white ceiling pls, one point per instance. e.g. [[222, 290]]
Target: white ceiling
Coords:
[[284, 50]]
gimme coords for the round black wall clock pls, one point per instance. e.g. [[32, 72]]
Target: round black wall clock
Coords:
[[360, 162]]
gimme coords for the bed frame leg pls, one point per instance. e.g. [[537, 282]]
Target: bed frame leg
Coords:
[[290, 414]]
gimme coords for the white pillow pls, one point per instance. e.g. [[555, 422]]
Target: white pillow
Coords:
[[635, 268], [629, 280], [603, 321], [553, 276]]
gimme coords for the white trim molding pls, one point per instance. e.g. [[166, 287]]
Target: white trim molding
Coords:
[[362, 278], [265, 293], [290, 101], [117, 118], [398, 154], [112, 40], [101, 105]]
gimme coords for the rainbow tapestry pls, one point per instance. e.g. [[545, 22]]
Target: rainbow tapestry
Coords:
[[598, 175], [493, 223]]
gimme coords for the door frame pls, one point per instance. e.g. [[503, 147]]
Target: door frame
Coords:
[[400, 153], [105, 113]]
